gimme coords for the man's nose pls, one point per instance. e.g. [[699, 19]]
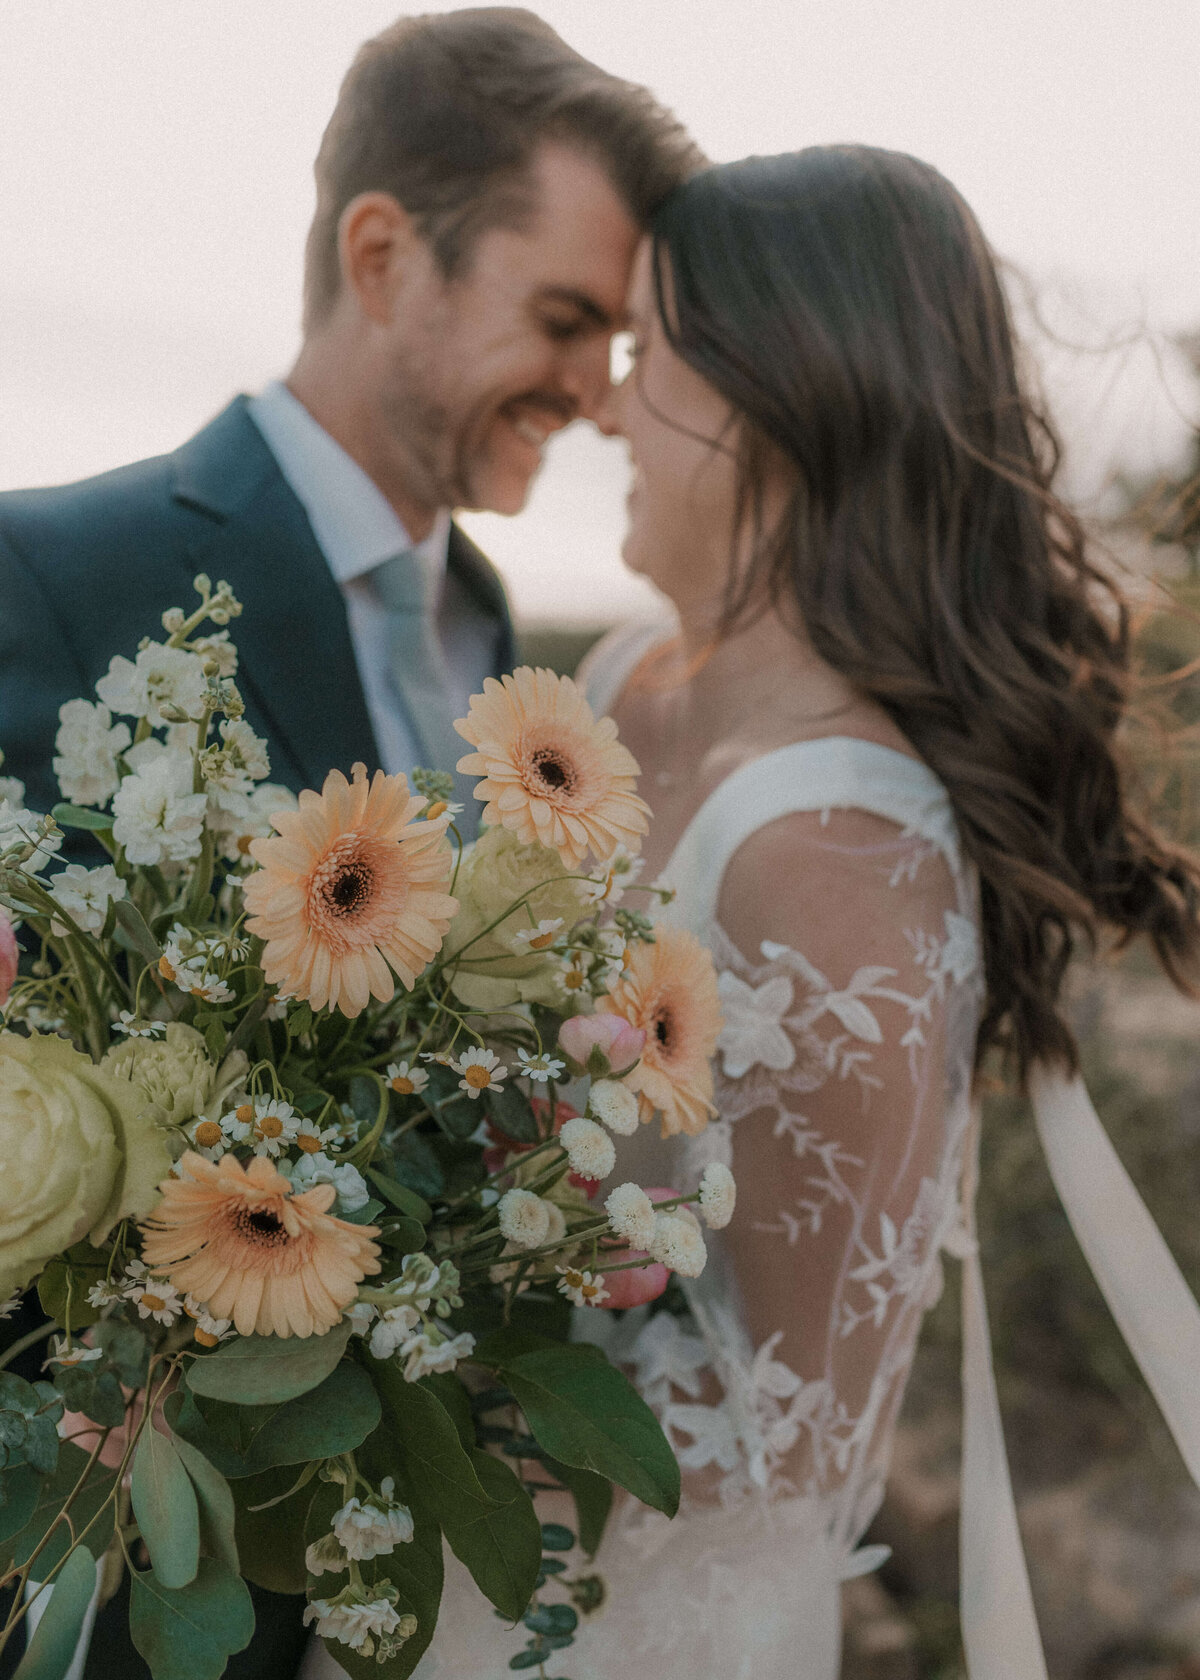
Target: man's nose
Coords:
[[587, 377], [606, 415]]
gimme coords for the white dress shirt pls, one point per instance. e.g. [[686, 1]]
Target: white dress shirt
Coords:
[[357, 529]]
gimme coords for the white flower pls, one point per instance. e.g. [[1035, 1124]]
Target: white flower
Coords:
[[367, 1531], [616, 873], [9, 1307], [12, 791], [136, 1027], [316, 1168], [268, 1124], [357, 1622], [362, 1315], [208, 988], [312, 1140], [62, 1353], [718, 1195], [217, 646], [247, 748], [155, 1298], [753, 1030], [157, 817], [405, 1079], [231, 770], [88, 744], [677, 1243], [159, 676], [523, 1218], [584, 1289], [589, 1148], [614, 1104], [326, 1554], [538, 938], [209, 1330], [234, 830], [85, 895], [631, 1215], [104, 1294], [481, 1070], [960, 953], [394, 1328], [540, 1068], [558, 1222], [19, 827], [428, 1355]]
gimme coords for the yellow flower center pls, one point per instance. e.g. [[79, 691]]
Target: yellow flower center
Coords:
[[542, 940], [154, 1303], [403, 1085], [207, 1134], [243, 844], [309, 1144], [270, 1126], [166, 969], [589, 1290], [478, 1078], [575, 1280], [573, 979], [205, 1337], [435, 810]]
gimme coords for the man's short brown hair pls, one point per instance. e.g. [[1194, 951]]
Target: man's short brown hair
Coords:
[[445, 112]]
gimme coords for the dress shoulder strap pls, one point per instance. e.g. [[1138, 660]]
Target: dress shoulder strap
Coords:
[[835, 772], [607, 667]]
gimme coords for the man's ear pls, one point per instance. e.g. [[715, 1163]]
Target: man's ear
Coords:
[[377, 241]]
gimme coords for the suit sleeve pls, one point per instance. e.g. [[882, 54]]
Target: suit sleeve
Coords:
[[38, 672]]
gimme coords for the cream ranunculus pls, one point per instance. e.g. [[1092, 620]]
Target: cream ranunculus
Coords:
[[175, 1075], [80, 1151], [496, 871]]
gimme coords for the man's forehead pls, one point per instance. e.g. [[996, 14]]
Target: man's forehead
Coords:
[[586, 303]]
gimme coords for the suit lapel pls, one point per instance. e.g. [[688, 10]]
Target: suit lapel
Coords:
[[474, 573], [297, 663]]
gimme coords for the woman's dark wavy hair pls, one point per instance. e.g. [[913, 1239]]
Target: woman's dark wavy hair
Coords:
[[844, 300]]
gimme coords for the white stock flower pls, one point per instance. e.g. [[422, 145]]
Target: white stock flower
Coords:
[[316, 1168], [12, 791], [582, 1289], [218, 646], [394, 1328], [371, 1530], [524, 1219], [157, 817], [589, 1148], [234, 830], [358, 1622], [677, 1243], [326, 1554], [631, 1215], [88, 744], [616, 1105], [426, 1355], [85, 895], [362, 1314], [718, 1195], [159, 676]]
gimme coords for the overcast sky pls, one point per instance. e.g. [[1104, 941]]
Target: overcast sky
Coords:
[[155, 187]]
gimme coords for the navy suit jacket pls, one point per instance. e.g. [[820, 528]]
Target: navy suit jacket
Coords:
[[86, 570]]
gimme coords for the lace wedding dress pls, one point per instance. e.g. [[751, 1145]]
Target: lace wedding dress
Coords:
[[845, 1111]]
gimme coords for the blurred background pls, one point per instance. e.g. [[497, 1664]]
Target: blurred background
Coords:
[[155, 190]]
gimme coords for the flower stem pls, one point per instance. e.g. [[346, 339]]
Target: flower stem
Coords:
[[30, 1339]]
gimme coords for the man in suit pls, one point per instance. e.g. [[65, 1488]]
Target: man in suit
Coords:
[[480, 192]]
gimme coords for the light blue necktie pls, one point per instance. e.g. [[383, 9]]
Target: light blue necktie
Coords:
[[408, 591]]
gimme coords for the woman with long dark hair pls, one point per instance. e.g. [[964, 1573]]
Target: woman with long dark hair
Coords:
[[879, 736]]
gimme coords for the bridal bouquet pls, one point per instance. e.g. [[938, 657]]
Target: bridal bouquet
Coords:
[[287, 1154]]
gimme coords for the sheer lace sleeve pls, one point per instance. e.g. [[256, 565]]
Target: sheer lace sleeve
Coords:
[[848, 974]]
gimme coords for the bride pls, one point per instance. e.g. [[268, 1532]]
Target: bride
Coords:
[[877, 731]]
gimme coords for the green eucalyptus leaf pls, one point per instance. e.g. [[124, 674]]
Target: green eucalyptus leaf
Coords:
[[584, 1412], [406, 1201], [367, 1215], [265, 1370], [52, 1495], [215, 1501], [63, 1288], [131, 922], [406, 1235], [126, 1349], [414, 1164], [510, 1111], [96, 1394], [189, 1633], [19, 1488], [240, 1440], [78, 816], [164, 1503], [557, 1619], [593, 1498], [49, 1653], [557, 1537], [269, 1528]]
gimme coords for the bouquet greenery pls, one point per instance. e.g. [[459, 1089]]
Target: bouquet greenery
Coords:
[[287, 1153]]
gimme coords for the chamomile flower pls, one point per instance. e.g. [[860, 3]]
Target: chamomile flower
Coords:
[[583, 1289], [479, 1070], [65, 1355], [104, 1294], [311, 1139], [9, 1307], [209, 1140], [157, 1299], [541, 1067], [406, 1079], [209, 1330], [206, 987], [268, 1125], [134, 1026], [539, 938]]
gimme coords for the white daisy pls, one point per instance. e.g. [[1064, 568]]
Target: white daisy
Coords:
[[137, 1027], [540, 1067], [480, 1070], [539, 938], [157, 1299], [406, 1079], [63, 1354], [583, 1289]]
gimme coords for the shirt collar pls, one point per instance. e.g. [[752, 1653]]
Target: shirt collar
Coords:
[[355, 525]]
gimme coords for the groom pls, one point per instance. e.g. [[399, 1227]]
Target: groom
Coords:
[[480, 191]]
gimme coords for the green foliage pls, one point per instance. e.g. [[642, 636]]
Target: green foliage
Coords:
[[78, 816], [593, 1498], [95, 1393], [511, 1112], [131, 923], [126, 1350], [214, 1500], [406, 1236], [486, 1516], [189, 1633], [270, 1540], [63, 1286], [266, 1370], [335, 1417], [49, 1652], [164, 1503], [19, 1488], [406, 1201], [29, 1413], [414, 1163], [91, 1514], [454, 1111], [586, 1413]]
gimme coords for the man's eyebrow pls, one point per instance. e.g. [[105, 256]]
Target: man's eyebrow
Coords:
[[587, 306]]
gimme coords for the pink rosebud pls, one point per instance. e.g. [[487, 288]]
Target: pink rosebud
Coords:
[[598, 1044], [9, 955], [644, 1283]]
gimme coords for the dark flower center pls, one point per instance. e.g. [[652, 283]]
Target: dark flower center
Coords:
[[262, 1227], [662, 1028], [555, 772], [349, 889]]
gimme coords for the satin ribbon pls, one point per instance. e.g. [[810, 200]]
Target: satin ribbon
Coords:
[[1155, 1312]]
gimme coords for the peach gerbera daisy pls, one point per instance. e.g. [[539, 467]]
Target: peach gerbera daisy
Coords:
[[670, 992], [271, 1260], [552, 773], [353, 883]]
